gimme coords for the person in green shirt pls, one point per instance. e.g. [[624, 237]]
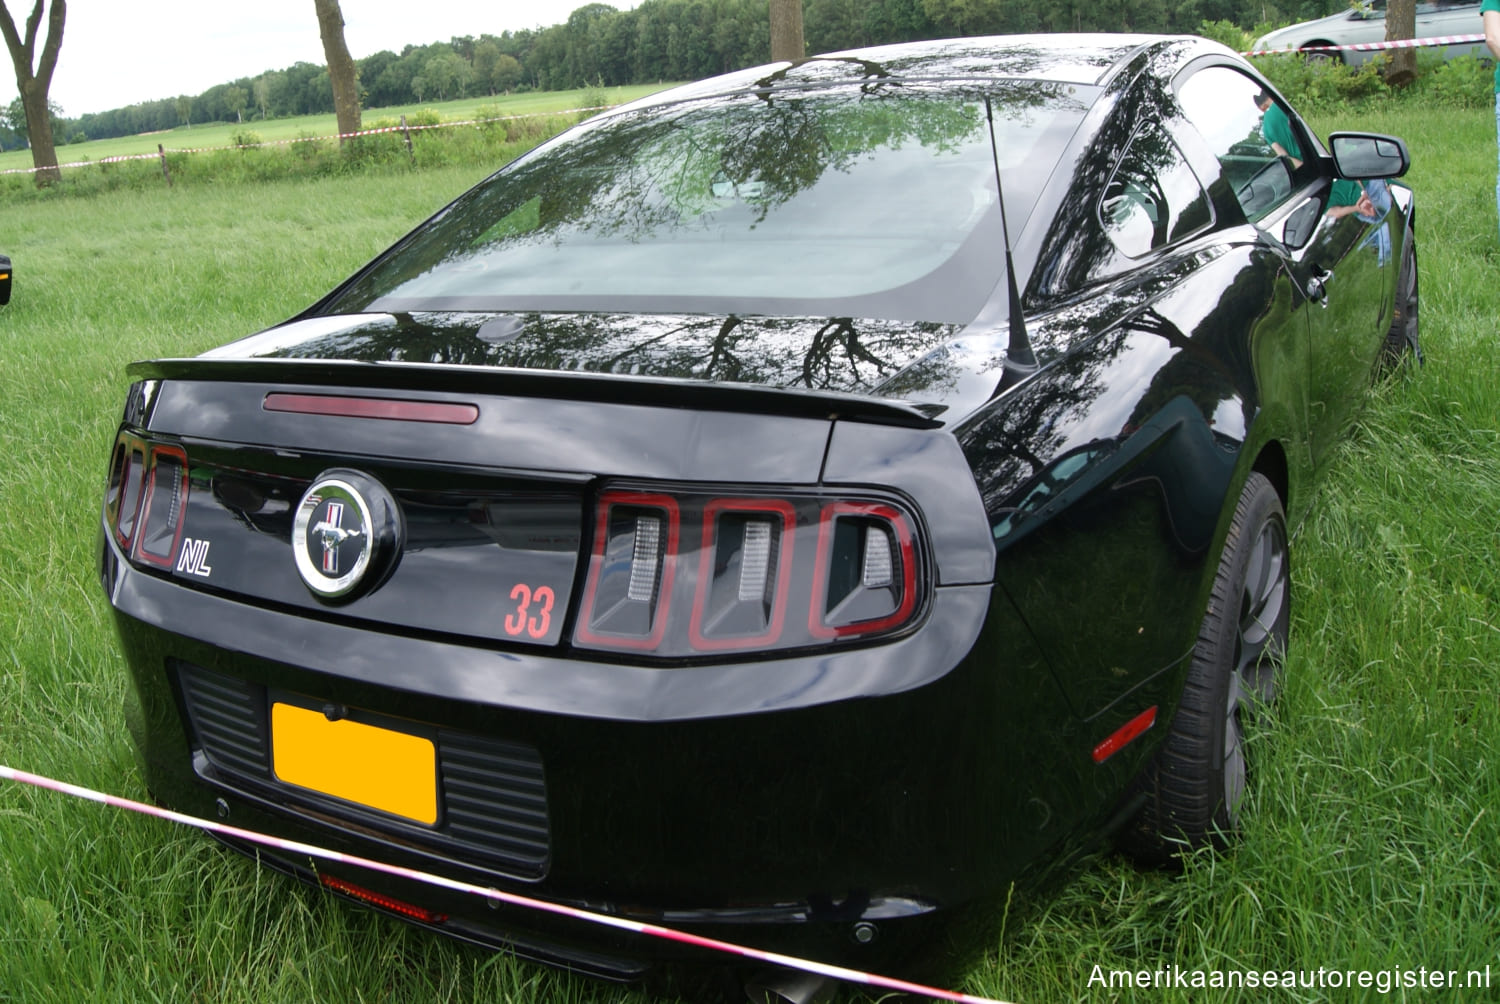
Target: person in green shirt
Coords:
[[1347, 198], [1489, 11], [1276, 128]]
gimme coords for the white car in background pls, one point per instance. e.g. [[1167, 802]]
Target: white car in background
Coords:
[[1366, 23]]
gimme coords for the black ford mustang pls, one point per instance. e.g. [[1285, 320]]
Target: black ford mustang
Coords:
[[786, 507]]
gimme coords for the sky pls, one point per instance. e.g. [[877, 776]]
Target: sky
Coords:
[[117, 53]]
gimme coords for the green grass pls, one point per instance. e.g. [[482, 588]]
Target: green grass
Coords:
[[223, 134], [1373, 836]]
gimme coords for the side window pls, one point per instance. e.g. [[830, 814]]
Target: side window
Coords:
[[1153, 197], [1258, 142]]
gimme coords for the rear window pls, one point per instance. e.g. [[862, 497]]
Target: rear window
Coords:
[[877, 202]]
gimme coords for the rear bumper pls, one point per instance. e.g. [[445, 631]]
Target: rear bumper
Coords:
[[841, 805]]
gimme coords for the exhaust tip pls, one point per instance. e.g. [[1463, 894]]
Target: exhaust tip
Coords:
[[787, 986]]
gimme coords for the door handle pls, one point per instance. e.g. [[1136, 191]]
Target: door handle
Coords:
[[1317, 286]]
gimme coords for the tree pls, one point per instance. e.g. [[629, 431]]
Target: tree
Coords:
[[786, 30], [507, 72], [342, 72], [447, 74], [486, 55], [33, 83], [262, 88], [1401, 23], [234, 101]]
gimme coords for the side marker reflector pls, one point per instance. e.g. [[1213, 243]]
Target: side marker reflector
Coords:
[[1125, 735]]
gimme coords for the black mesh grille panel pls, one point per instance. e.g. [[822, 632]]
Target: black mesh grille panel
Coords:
[[495, 796], [229, 717], [493, 793]]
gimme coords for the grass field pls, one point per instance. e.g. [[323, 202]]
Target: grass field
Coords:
[[222, 134], [1372, 840]]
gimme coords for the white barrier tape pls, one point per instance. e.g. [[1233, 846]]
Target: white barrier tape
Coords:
[[491, 894], [83, 163], [306, 139], [1401, 43]]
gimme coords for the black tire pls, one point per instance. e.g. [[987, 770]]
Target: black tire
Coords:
[[1404, 336], [1194, 787]]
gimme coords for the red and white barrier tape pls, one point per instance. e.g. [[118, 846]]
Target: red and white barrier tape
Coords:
[[1401, 43], [305, 139], [496, 895]]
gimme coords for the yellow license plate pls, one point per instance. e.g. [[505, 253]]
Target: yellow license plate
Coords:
[[390, 771]]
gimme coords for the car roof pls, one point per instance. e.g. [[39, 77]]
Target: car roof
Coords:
[[1082, 59]]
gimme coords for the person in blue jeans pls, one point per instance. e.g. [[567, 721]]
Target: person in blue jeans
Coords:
[[1490, 12]]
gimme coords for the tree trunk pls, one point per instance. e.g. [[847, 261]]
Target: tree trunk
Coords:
[[786, 31], [34, 84], [341, 69], [1401, 23]]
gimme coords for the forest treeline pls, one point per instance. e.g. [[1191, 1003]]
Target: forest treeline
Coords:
[[660, 40]]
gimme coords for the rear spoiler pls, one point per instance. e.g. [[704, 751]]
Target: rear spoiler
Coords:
[[578, 386]]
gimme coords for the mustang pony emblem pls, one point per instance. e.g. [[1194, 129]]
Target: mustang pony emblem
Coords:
[[332, 533], [345, 524]]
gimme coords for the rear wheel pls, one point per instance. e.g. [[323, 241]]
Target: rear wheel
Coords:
[[1194, 788]]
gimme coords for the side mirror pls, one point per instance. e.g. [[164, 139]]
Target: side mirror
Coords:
[[1363, 155], [4, 280]]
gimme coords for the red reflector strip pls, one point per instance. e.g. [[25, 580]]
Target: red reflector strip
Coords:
[[1125, 735], [384, 902], [373, 407]]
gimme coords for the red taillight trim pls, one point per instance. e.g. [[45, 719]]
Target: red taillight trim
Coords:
[[1125, 735], [343, 406], [904, 542], [359, 892], [711, 513], [645, 500], [143, 516]]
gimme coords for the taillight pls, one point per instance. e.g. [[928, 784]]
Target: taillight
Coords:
[[631, 571], [123, 497], [146, 497], [745, 568], [677, 573], [161, 513], [866, 577]]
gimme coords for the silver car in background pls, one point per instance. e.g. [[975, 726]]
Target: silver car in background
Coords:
[[1366, 23]]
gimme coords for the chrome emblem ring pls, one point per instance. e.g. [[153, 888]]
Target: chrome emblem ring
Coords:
[[346, 530]]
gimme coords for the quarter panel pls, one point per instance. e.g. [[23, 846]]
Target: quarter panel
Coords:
[[1106, 477]]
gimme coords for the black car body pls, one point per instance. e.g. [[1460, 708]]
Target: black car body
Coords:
[[693, 531]]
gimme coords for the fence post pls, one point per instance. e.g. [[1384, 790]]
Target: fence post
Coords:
[[407, 133], [164, 172]]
